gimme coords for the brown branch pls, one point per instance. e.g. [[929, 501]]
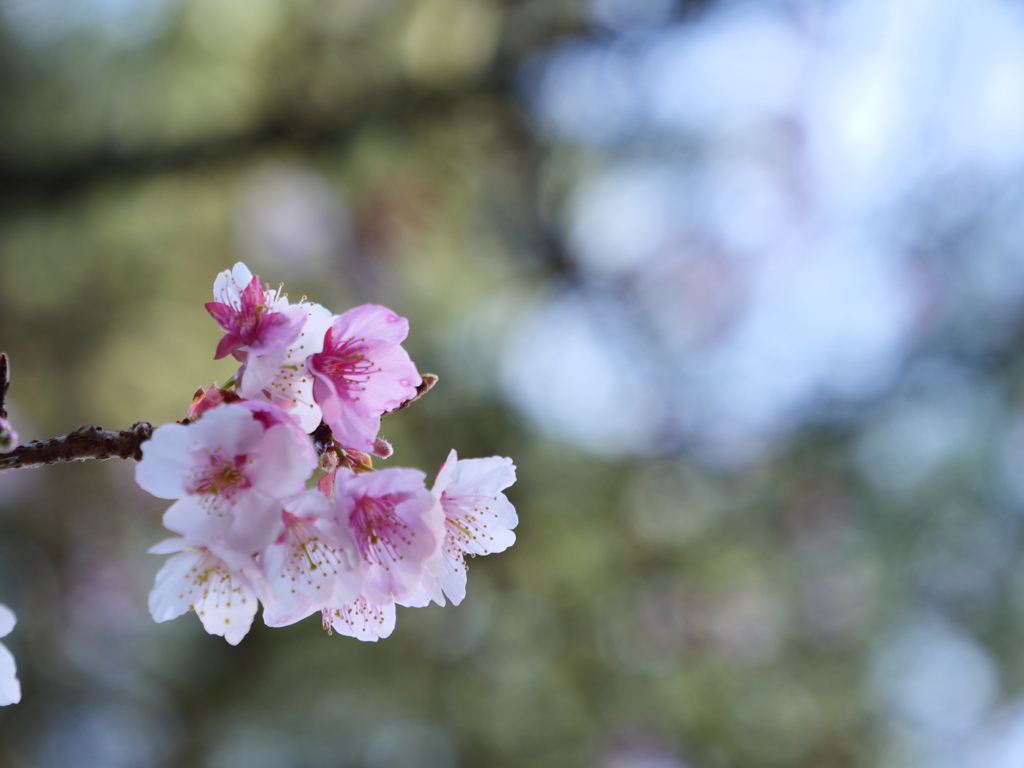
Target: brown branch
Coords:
[[5, 384], [92, 442], [86, 442]]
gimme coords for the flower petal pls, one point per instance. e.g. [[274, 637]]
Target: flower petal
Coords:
[[166, 462], [371, 321], [201, 581], [279, 466], [246, 522], [175, 590], [228, 286], [364, 621], [170, 546], [10, 688], [484, 476], [231, 429], [7, 620]]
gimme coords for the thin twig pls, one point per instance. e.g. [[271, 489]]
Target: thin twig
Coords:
[[86, 442], [5, 384], [92, 442]]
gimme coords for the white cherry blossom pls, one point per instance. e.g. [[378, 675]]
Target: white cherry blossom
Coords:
[[361, 619], [310, 565], [228, 471], [221, 586], [478, 520], [10, 688]]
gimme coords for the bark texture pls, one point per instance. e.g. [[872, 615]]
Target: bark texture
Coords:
[[86, 442]]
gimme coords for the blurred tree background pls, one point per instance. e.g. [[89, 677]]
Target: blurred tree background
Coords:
[[737, 285]]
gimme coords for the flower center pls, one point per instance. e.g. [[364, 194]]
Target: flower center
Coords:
[[378, 529], [222, 476], [248, 322], [346, 363], [462, 517]]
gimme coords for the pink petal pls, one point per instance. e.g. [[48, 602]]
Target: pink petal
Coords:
[[371, 321], [350, 424], [278, 330], [224, 314], [280, 466], [229, 343]]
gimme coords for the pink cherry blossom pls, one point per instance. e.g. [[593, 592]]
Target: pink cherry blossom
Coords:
[[8, 437], [281, 377], [228, 472], [10, 688], [359, 544], [270, 416], [362, 620], [221, 586], [478, 519], [248, 316], [362, 372], [310, 565], [397, 526]]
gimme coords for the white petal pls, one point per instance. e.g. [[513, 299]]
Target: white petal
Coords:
[[451, 581], [199, 517], [478, 515], [7, 620], [445, 474], [228, 286], [241, 274], [255, 522], [311, 568], [10, 688], [166, 461], [168, 546], [486, 477], [247, 521], [485, 523], [454, 584], [259, 372], [364, 621], [281, 377], [175, 590], [201, 581], [424, 594], [275, 614], [227, 606]]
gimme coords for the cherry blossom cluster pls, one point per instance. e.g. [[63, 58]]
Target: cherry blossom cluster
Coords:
[[252, 526]]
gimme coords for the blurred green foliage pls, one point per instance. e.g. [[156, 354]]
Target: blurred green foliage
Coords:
[[726, 618]]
